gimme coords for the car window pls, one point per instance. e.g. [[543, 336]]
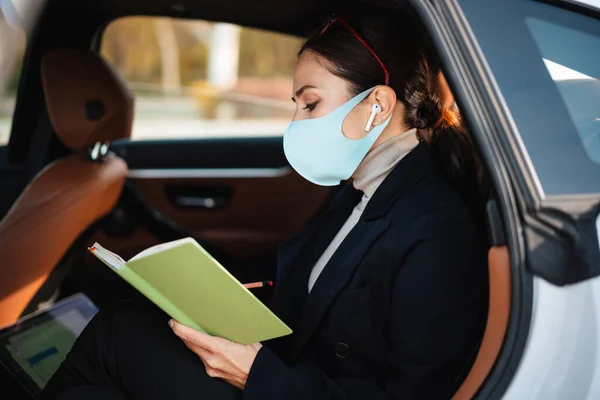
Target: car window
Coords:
[[546, 62], [566, 52], [12, 50], [198, 79]]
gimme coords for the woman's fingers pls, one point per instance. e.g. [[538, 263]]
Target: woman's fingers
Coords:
[[195, 337], [199, 350], [212, 363], [256, 346], [221, 358], [205, 346]]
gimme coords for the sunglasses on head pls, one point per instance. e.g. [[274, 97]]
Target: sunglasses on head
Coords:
[[335, 19]]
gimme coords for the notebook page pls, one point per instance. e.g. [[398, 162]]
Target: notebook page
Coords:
[[161, 247], [107, 256]]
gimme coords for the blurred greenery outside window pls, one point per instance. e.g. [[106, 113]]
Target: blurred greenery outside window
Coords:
[[12, 52], [197, 79]]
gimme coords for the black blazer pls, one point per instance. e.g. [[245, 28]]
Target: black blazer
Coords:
[[399, 310]]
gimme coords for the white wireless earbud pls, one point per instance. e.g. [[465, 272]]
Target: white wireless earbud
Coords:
[[376, 109]]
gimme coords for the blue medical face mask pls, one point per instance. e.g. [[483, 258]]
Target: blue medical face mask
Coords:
[[318, 150]]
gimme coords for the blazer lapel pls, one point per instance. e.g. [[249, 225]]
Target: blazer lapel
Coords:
[[334, 277], [297, 257]]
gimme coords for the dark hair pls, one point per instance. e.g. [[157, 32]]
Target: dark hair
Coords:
[[398, 41]]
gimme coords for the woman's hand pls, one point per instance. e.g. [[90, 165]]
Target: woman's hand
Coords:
[[222, 358]]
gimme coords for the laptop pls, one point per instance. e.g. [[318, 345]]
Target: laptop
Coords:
[[33, 348]]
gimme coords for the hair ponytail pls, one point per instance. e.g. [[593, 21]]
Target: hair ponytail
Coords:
[[452, 146], [440, 127], [448, 141]]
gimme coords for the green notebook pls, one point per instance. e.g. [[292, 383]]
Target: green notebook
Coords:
[[194, 289]]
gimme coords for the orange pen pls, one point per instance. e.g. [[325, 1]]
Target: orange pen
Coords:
[[255, 285]]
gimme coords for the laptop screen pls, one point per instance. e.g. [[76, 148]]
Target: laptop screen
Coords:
[[33, 348]]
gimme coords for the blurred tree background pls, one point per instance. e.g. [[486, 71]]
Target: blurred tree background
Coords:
[[137, 47]]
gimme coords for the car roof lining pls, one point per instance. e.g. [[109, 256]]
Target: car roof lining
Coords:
[[295, 17]]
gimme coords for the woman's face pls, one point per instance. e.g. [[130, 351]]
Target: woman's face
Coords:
[[317, 92]]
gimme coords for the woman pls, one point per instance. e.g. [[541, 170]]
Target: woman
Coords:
[[386, 290]]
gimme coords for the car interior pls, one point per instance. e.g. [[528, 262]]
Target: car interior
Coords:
[[70, 177]]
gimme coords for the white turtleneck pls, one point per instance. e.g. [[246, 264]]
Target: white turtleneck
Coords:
[[371, 172]]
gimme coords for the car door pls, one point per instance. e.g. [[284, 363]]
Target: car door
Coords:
[[206, 154], [530, 88]]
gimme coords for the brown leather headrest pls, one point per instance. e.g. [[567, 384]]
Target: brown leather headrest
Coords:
[[87, 100]]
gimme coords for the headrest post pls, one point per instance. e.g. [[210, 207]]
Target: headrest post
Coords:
[[99, 151], [95, 151]]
